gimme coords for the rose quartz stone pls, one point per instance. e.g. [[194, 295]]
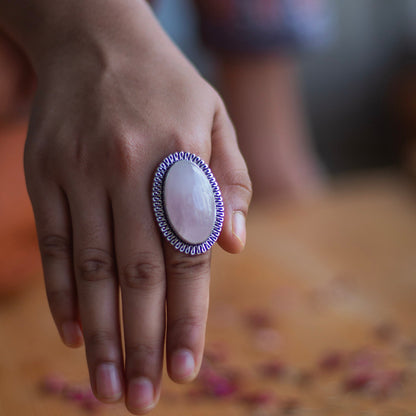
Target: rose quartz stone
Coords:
[[189, 202]]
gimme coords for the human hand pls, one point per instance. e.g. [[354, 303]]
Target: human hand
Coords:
[[113, 100]]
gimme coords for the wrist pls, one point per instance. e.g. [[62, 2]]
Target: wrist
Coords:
[[46, 29]]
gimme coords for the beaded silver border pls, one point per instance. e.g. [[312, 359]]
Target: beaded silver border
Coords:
[[158, 205]]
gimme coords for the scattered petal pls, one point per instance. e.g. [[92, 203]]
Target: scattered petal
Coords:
[[358, 380], [74, 393], [215, 383], [332, 361], [385, 383], [273, 369], [259, 398], [258, 319], [364, 359], [53, 384]]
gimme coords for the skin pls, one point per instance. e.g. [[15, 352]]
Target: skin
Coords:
[[114, 97]]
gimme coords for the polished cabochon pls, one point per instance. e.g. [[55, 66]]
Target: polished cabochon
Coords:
[[187, 203]]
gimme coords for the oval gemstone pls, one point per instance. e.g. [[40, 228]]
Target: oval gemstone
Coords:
[[189, 202]]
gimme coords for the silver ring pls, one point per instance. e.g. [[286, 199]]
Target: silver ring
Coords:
[[187, 203]]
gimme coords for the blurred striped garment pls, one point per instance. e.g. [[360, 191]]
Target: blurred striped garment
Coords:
[[259, 26]]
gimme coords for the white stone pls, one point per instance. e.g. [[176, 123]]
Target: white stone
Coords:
[[189, 202]]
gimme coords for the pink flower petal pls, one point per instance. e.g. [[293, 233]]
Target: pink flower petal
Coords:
[[259, 398], [273, 369], [332, 361], [53, 384]]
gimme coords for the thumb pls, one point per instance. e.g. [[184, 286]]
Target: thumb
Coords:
[[230, 170]]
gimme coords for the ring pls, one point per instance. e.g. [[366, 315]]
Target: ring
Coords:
[[187, 203]]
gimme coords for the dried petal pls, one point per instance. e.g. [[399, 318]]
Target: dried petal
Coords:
[[215, 383], [223, 389], [259, 398], [74, 393], [359, 380], [53, 384], [364, 359], [332, 361], [258, 319], [273, 369], [385, 383]]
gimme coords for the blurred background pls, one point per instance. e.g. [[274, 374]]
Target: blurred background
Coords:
[[355, 86]]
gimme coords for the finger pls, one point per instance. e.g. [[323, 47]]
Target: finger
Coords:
[[231, 173], [55, 242], [142, 280], [97, 286], [187, 309]]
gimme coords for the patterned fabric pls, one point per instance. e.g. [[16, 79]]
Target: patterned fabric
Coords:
[[247, 26]]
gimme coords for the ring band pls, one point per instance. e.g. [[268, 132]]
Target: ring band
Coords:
[[187, 203]]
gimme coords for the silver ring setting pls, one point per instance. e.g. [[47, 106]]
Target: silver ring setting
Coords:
[[187, 203]]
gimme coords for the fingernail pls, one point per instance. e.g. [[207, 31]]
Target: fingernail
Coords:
[[140, 394], [108, 382], [239, 226], [182, 365], [71, 333]]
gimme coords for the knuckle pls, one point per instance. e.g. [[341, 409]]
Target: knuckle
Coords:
[[183, 266], [186, 326], [240, 181], [124, 154], [81, 162], [100, 339], [192, 139], [177, 139], [144, 274], [54, 246], [95, 264], [143, 351], [78, 157]]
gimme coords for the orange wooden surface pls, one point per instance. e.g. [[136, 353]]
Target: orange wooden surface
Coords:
[[19, 258], [326, 274]]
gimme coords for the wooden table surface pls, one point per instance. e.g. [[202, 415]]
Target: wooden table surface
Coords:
[[329, 275]]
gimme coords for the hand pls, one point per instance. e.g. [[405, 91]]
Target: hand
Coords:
[[110, 105]]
